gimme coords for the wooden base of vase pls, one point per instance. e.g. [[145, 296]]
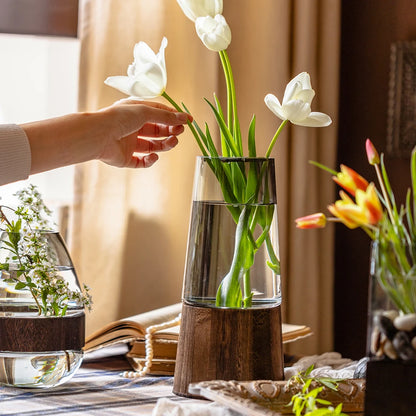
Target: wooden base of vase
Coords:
[[41, 334], [228, 344], [390, 388]]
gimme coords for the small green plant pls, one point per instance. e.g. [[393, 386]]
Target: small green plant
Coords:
[[307, 401], [29, 264]]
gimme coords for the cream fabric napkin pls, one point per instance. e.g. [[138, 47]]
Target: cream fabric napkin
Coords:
[[329, 364], [166, 407]]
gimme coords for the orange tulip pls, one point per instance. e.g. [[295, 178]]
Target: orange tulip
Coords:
[[370, 204], [350, 180], [317, 220], [367, 209], [348, 212]]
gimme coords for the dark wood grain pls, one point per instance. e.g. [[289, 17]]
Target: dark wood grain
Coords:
[[41, 334], [39, 17], [228, 344], [390, 388]]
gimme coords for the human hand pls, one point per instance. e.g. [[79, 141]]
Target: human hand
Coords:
[[136, 130]]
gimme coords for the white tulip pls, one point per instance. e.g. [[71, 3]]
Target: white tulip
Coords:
[[296, 105], [200, 8], [146, 76], [214, 32]]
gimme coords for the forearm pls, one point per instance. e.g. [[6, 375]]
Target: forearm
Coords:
[[64, 141], [14, 154]]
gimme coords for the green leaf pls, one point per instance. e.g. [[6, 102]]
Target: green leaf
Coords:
[[233, 150], [20, 286], [224, 147], [387, 184], [275, 267], [252, 138], [210, 143], [323, 167]]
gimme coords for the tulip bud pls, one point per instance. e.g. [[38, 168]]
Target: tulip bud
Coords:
[[317, 220], [214, 32], [372, 154]]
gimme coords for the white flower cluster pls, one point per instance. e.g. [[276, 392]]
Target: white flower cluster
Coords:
[[32, 264], [32, 210]]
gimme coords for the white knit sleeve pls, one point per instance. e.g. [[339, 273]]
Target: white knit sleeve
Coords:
[[15, 156]]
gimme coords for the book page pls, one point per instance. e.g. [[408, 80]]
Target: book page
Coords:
[[134, 327]]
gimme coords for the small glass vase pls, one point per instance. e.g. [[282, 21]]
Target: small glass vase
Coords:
[[39, 351], [391, 334], [231, 318]]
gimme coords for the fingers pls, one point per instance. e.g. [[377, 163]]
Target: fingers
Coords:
[[163, 116], [140, 161], [153, 104], [160, 130], [151, 146], [155, 112]]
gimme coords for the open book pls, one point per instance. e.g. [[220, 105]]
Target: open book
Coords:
[[132, 331]]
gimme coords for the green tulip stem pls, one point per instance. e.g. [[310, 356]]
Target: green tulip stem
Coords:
[[232, 114], [191, 127], [384, 191], [276, 135]]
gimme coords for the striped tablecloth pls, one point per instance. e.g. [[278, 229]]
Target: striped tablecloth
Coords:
[[90, 392], [97, 388]]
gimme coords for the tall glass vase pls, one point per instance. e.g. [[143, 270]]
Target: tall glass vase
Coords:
[[391, 335], [231, 319], [38, 351]]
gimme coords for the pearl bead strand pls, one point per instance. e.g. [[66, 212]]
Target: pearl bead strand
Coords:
[[149, 347]]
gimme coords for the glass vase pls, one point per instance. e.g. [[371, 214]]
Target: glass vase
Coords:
[[391, 334], [233, 239], [231, 291], [38, 351]]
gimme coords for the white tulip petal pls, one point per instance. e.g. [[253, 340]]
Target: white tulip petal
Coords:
[[274, 106], [121, 83], [299, 83], [214, 32], [305, 95], [315, 119], [290, 91], [146, 76], [142, 53], [304, 79], [296, 105], [200, 8], [145, 90], [296, 110]]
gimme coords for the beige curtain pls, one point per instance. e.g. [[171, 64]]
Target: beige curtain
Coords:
[[130, 227]]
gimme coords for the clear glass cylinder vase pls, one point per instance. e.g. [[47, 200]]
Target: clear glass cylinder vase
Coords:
[[38, 351], [391, 334], [391, 331], [233, 253]]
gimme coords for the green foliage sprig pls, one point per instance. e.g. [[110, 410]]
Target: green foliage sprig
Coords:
[[307, 401], [30, 265]]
